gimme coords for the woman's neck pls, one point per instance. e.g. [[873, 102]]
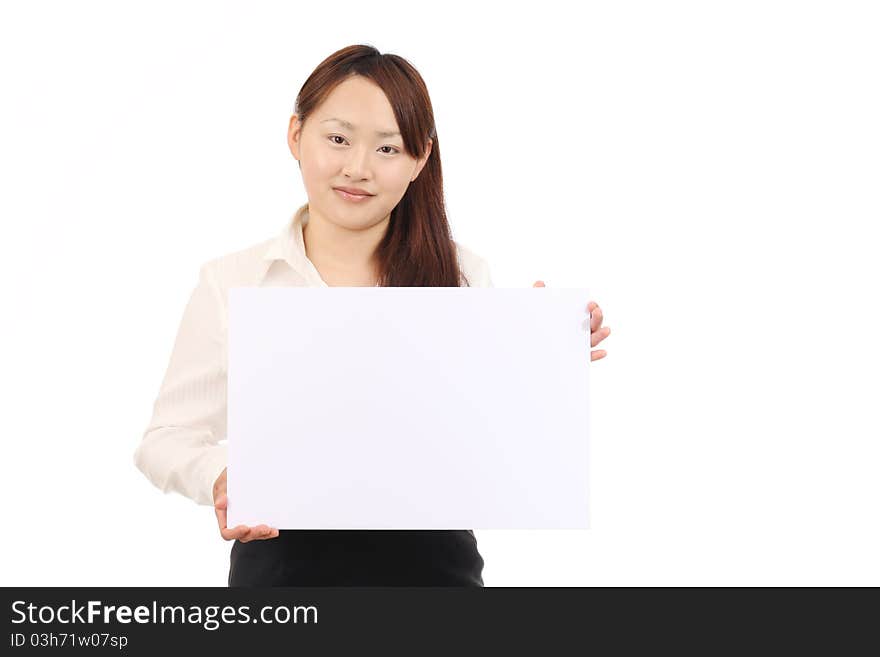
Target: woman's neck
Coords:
[[342, 256]]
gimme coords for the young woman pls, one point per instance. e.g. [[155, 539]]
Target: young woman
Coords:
[[363, 134]]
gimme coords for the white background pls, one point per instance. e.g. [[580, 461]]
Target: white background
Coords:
[[709, 169]]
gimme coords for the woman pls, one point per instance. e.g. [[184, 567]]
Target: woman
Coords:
[[364, 137]]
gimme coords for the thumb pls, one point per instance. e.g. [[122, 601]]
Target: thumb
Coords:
[[539, 284]]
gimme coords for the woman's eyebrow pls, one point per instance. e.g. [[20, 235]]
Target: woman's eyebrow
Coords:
[[381, 133]]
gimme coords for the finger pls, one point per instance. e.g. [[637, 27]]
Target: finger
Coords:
[[238, 532], [261, 531], [256, 533], [246, 535], [220, 512], [596, 355], [598, 336], [595, 318], [539, 284], [267, 533]]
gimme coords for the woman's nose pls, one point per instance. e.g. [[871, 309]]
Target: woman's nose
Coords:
[[357, 165]]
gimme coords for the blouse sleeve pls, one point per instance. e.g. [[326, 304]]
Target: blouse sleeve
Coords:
[[180, 450]]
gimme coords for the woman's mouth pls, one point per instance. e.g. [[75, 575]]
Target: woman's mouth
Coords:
[[354, 198]]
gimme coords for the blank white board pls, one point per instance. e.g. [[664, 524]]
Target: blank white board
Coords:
[[408, 408]]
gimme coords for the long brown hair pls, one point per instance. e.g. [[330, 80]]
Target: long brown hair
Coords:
[[417, 249]]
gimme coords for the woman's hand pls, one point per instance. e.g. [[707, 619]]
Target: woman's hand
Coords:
[[243, 533], [597, 332]]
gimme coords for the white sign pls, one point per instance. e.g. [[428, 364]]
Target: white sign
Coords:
[[408, 408]]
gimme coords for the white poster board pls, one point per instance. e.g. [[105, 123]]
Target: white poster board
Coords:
[[408, 408]]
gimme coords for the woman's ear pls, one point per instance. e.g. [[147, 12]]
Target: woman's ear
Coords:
[[422, 160], [294, 131]]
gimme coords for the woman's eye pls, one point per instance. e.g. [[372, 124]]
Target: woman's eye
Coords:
[[336, 137], [391, 147]]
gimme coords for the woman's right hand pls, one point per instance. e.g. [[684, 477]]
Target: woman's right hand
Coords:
[[243, 533]]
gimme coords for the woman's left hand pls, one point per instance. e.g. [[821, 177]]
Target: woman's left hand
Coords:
[[597, 331]]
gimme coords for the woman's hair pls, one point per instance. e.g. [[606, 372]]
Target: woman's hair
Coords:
[[417, 249]]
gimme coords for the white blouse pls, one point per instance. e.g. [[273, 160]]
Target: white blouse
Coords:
[[181, 448]]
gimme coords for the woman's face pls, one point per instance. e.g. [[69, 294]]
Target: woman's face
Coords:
[[352, 140]]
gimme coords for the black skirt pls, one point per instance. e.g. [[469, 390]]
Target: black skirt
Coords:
[[365, 557]]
